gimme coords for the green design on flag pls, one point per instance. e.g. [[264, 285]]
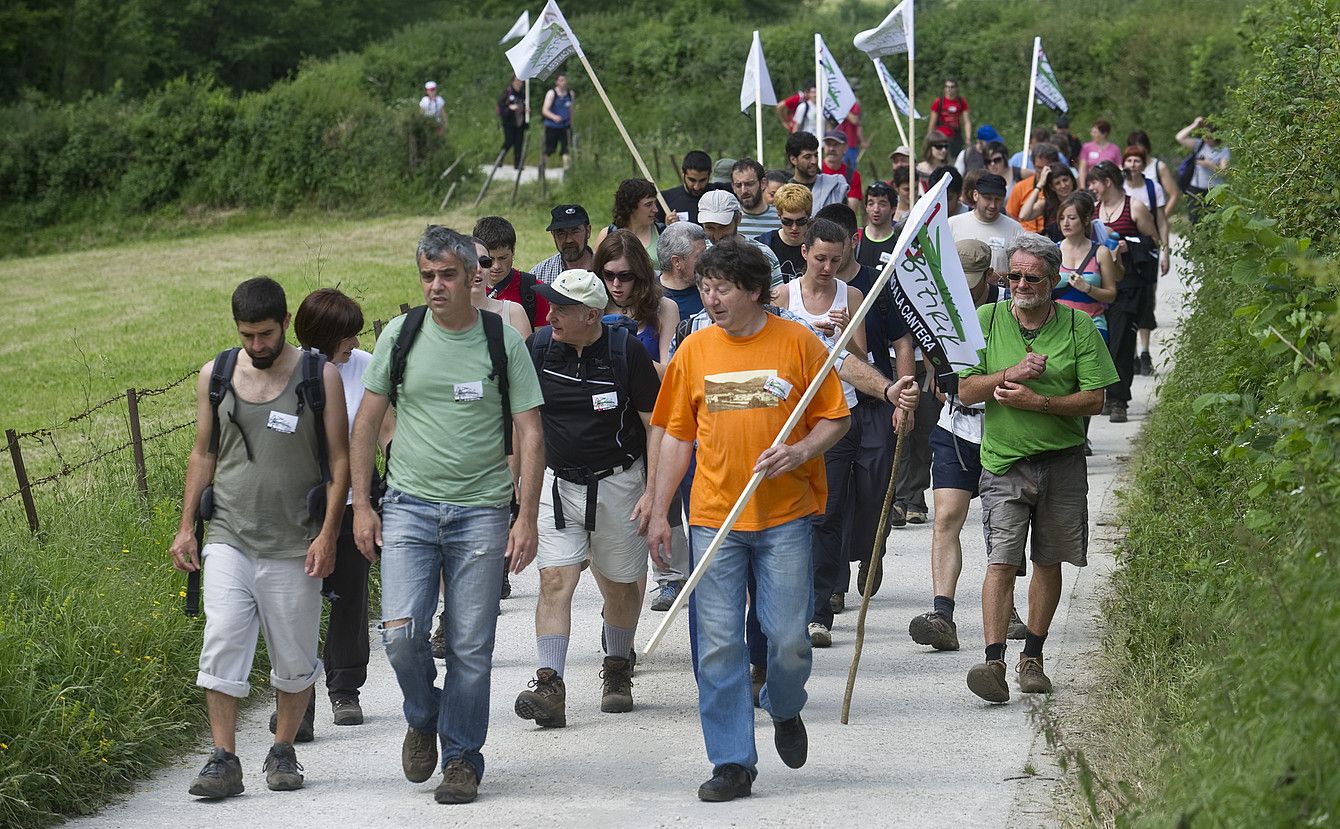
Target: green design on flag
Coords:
[[1046, 88], [931, 251]]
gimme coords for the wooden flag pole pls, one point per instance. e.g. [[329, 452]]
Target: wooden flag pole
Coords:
[[641, 165], [888, 96], [1032, 85], [820, 97]]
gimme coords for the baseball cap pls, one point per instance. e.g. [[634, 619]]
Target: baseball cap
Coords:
[[986, 132], [721, 170], [718, 206], [1063, 121], [575, 287], [902, 150], [991, 184], [975, 257], [834, 135], [567, 215], [430, 85]]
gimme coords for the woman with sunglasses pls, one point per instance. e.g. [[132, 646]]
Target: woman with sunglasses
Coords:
[[635, 210], [997, 160], [934, 153], [1056, 183], [623, 265], [511, 312]]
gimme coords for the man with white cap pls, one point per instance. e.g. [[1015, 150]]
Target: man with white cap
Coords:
[[599, 388], [900, 157], [432, 106], [719, 213]]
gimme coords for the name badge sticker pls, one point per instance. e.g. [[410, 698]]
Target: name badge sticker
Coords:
[[605, 402], [281, 422], [468, 392], [777, 387]]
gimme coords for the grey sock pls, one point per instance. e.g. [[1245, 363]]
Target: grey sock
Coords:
[[553, 652], [619, 641]]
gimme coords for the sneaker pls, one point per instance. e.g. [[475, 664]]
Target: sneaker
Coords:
[[1017, 628], [820, 636], [221, 776], [793, 744], [987, 681], [758, 674], [916, 516], [1146, 364], [616, 693], [459, 783], [666, 595], [283, 772], [506, 587], [935, 630], [837, 602], [418, 754], [306, 728], [863, 572], [898, 516], [347, 711], [1031, 678], [546, 704], [728, 782], [438, 641], [1118, 413]]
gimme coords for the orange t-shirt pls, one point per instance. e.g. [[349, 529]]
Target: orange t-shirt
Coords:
[[1015, 203], [733, 395]]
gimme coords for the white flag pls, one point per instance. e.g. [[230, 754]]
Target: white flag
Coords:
[[756, 67], [895, 91], [519, 28], [930, 288], [838, 99], [891, 37], [1047, 90], [548, 43]]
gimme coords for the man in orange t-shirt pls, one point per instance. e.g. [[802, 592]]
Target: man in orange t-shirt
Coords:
[[731, 387]]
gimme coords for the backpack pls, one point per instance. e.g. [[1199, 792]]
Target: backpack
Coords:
[[619, 332], [527, 289], [1186, 171], [493, 333]]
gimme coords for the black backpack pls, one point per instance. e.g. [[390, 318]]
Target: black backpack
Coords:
[[493, 333], [1186, 171], [311, 393], [618, 333]]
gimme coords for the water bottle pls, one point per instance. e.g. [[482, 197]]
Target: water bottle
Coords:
[[1112, 240]]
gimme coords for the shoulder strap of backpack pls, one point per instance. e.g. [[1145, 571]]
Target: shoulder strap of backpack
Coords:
[[220, 381], [527, 288], [493, 333], [1093, 251], [404, 341], [311, 391]]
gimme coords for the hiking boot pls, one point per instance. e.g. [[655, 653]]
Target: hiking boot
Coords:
[[506, 587], [898, 516], [1118, 413], [1146, 364], [837, 602], [283, 772], [758, 674], [1031, 678], [1088, 448], [666, 595], [438, 641], [306, 728], [987, 681], [863, 572], [616, 694], [347, 711], [459, 784], [632, 654], [728, 782], [1107, 408], [935, 630], [1017, 628], [916, 516], [820, 636], [221, 776], [418, 754], [547, 703], [793, 744]]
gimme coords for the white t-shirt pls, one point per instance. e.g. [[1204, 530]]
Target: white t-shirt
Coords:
[[1203, 178], [968, 427], [1140, 192], [431, 107], [997, 235], [351, 373], [796, 305]]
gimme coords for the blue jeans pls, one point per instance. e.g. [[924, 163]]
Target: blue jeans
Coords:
[[464, 547], [780, 560]]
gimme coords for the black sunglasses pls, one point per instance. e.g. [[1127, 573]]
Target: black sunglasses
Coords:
[[486, 261], [795, 222], [996, 159], [1030, 278], [617, 276]]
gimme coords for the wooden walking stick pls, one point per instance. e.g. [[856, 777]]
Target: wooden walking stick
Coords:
[[875, 555], [496, 164]]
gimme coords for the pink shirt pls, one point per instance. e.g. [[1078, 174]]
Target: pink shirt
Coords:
[[1092, 154]]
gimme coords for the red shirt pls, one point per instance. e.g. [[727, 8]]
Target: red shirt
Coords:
[[951, 112], [850, 129], [854, 185], [510, 288]]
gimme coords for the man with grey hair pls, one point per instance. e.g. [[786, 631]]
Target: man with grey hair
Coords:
[[1043, 370], [444, 517]]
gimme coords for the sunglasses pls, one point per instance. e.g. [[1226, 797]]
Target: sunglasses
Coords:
[[996, 159], [1030, 278], [486, 261], [617, 276], [939, 146], [794, 222]]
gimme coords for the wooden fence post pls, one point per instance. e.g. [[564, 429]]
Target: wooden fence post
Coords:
[[656, 154], [404, 307], [137, 442], [21, 474], [377, 329]]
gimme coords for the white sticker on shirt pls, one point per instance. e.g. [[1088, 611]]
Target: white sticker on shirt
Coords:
[[777, 387], [468, 392], [605, 402], [683, 215], [283, 423]]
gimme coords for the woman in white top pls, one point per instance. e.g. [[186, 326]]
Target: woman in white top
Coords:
[[511, 312]]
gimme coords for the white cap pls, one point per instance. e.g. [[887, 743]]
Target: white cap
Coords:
[[430, 85], [718, 207]]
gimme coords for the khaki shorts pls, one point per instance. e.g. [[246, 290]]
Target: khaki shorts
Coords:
[[615, 548], [1046, 497]]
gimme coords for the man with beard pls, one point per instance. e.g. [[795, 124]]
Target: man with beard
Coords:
[[802, 153], [757, 215], [260, 453], [695, 176], [571, 229], [1043, 370], [986, 222]]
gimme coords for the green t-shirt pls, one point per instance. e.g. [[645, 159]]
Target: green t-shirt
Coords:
[[448, 444], [1077, 360]]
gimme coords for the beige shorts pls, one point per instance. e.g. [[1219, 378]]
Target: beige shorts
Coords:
[[1045, 499], [614, 548]]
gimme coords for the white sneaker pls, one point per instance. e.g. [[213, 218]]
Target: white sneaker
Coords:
[[820, 637]]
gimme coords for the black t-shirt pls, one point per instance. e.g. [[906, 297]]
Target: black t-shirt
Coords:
[[583, 425], [876, 254], [883, 324], [681, 201], [793, 264]]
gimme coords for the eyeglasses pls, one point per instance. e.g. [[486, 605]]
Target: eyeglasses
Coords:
[[617, 276], [795, 222], [1030, 278], [486, 261], [996, 159]]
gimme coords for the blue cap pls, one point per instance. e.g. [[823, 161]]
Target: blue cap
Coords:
[[986, 132]]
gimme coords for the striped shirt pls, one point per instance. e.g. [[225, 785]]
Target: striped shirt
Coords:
[[752, 226]]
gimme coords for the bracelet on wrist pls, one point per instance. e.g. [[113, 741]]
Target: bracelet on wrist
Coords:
[[1046, 405], [886, 391]]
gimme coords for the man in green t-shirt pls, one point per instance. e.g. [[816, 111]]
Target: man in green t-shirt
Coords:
[[445, 512], [1042, 371]]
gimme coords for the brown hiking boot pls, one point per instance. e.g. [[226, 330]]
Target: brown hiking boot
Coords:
[[547, 703], [987, 681], [758, 674], [1017, 629], [935, 630], [438, 641], [418, 754], [1031, 678], [616, 695], [459, 784]]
